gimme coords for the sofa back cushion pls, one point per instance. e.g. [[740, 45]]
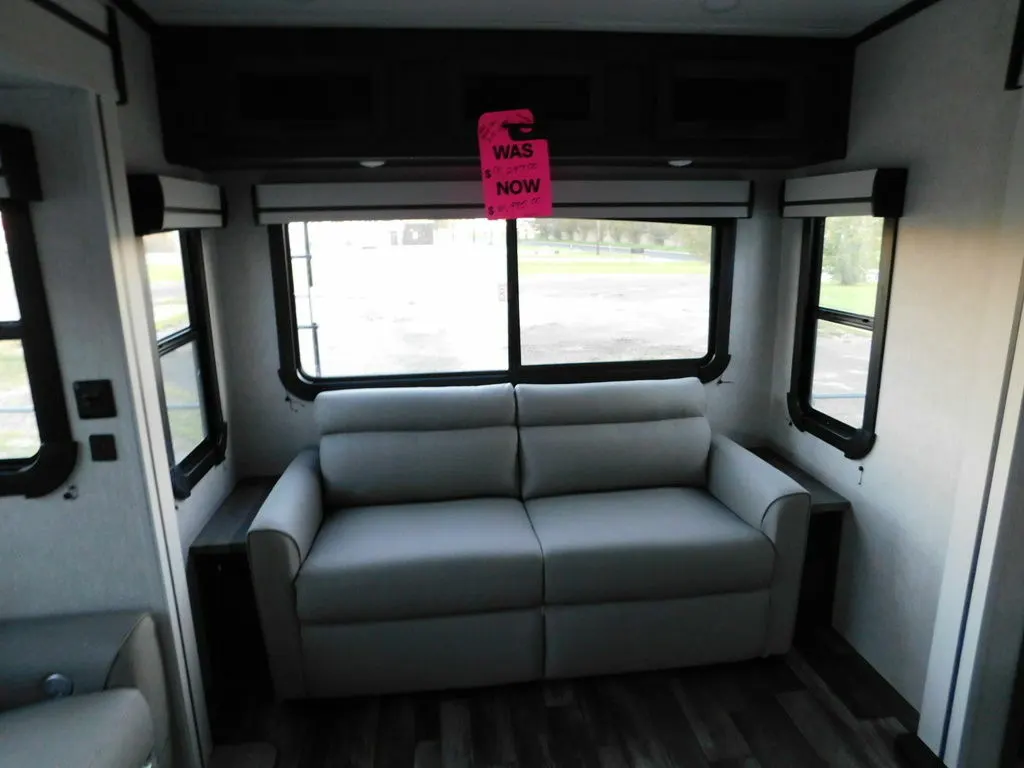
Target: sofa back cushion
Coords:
[[394, 446], [580, 438]]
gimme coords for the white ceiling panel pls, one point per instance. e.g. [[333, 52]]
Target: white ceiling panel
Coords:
[[817, 18]]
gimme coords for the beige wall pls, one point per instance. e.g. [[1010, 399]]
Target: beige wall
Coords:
[[928, 95]]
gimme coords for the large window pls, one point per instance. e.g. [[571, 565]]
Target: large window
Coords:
[[196, 434], [471, 300], [837, 364]]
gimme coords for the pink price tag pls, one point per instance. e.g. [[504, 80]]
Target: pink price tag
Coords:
[[516, 174]]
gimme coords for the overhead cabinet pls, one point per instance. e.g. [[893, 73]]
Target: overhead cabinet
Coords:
[[249, 97]]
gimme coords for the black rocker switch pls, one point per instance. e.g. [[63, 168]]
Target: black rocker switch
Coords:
[[102, 447], [95, 399]]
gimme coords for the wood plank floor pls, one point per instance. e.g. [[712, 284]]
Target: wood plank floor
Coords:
[[772, 713]]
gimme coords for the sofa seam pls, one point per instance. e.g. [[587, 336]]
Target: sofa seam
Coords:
[[429, 617], [593, 423], [541, 607]]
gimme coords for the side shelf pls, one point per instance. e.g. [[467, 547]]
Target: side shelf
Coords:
[[228, 630], [828, 508]]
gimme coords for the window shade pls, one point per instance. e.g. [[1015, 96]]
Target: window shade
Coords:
[[284, 203], [161, 204], [877, 192]]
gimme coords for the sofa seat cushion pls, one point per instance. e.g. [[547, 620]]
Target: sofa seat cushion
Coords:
[[407, 561], [653, 544]]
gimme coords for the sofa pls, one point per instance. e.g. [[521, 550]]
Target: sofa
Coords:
[[455, 537]]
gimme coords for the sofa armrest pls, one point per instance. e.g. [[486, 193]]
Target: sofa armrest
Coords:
[[95, 652], [279, 541], [779, 507], [110, 729]]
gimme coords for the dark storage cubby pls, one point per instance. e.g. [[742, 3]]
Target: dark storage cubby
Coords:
[[236, 97]]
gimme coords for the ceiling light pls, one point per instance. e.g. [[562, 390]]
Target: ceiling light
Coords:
[[720, 6], [372, 163], [680, 163]]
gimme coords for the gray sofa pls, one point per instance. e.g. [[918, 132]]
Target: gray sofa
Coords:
[[465, 536]]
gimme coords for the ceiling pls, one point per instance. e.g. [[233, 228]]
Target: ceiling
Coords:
[[810, 18]]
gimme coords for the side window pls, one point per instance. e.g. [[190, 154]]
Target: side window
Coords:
[[193, 419], [840, 336], [37, 453], [19, 432]]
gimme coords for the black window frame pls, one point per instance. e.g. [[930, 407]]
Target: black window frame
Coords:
[[707, 368], [854, 442], [53, 463], [212, 449]]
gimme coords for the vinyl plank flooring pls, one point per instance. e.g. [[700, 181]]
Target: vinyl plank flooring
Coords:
[[768, 713], [774, 739], [570, 742], [878, 742], [866, 695], [491, 724], [821, 690], [603, 729], [428, 755], [827, 736], [558, 693], [396, 733], [669, 724], [728, 691], [653, 736], [456, 734], [717, 734], [740, 762], [529, 724], [611, 757]]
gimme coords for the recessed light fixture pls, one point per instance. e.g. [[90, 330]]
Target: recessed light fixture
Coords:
[[373, 163], [719, 6], [680, 163]]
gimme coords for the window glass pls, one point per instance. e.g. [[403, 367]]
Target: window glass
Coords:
[[9, 312], [400, 297], [182, 388], [841, 358], [188, 370], [166, 272], [851, 254], [19, 434], [595, 290]]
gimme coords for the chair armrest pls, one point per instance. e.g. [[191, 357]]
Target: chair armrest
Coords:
[[293, 511], [110, 729], [779, 507], [750, 486], [279, 541], [95, 651]]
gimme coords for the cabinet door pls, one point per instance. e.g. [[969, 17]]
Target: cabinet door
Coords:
[[730, 100], [565, 95], [328, 107]]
